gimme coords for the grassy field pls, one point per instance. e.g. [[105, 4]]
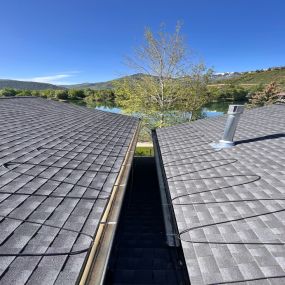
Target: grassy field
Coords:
[[144, 151], [255, 78]]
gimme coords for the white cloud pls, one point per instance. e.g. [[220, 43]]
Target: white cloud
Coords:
[[51, 78], [57, 79]]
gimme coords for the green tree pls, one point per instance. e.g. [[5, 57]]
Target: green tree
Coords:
[[239, 93], [106, 95], [61, 94], [36, 93], [88, 92], [168, 81], [232, 92], [49, 93], [100, 96], [25, 93], [76, 94], [268, 96], [8, 92]]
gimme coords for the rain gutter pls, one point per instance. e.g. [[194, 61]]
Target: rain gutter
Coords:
[[96, 265]]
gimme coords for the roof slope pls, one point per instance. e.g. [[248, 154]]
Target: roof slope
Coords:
[[229, 204], [59, 164]]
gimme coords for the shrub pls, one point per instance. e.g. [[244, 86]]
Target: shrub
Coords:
[[75, 94], [24, 93], [267, 96], [61, 94], [8, 92]]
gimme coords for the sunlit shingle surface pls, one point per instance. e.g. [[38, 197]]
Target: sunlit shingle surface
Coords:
[[58, 164], [229, 204]]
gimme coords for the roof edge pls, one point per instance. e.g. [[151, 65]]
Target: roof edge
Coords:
[[96, 264], [170, 222]]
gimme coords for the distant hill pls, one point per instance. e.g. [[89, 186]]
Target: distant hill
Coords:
[[244, 78], [96, 86], [257, 77], [102, 85], [26, 85]]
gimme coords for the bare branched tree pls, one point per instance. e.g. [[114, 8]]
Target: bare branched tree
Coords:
[[167, 81]]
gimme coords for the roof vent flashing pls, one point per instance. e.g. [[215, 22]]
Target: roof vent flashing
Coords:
[[234, 114]]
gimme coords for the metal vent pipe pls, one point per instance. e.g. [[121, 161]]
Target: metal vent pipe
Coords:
[[234, 114]]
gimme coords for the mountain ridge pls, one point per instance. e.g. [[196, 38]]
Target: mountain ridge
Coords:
[[256, 77], [26, 85]]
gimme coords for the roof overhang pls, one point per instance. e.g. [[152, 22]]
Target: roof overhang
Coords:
[[96, 264]]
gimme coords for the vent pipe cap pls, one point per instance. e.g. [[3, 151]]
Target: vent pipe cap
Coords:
[[235, 109]]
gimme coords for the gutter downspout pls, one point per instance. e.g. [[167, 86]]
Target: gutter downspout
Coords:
[[96, 265]]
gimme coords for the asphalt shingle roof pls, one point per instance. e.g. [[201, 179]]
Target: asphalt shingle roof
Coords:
[[58, 166], [229, 204]]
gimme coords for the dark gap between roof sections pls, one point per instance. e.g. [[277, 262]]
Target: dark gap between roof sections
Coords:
[[140, 254]]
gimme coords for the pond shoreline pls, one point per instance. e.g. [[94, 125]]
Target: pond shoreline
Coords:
[[212, 109]]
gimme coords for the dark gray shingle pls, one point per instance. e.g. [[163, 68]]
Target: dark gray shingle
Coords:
[[58, 164], [229, 204]]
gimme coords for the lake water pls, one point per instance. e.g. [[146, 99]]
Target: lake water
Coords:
[[115, 110], [210, 110]]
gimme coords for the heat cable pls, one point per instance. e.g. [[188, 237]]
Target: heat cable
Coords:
[[70, 252], [66, 196], [249, 178]]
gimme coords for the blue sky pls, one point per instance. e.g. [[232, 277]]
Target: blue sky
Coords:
[[72, 41]]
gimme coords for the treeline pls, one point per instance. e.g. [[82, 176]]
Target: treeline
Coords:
[[233, 92], [70, 94], [221, 93]]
